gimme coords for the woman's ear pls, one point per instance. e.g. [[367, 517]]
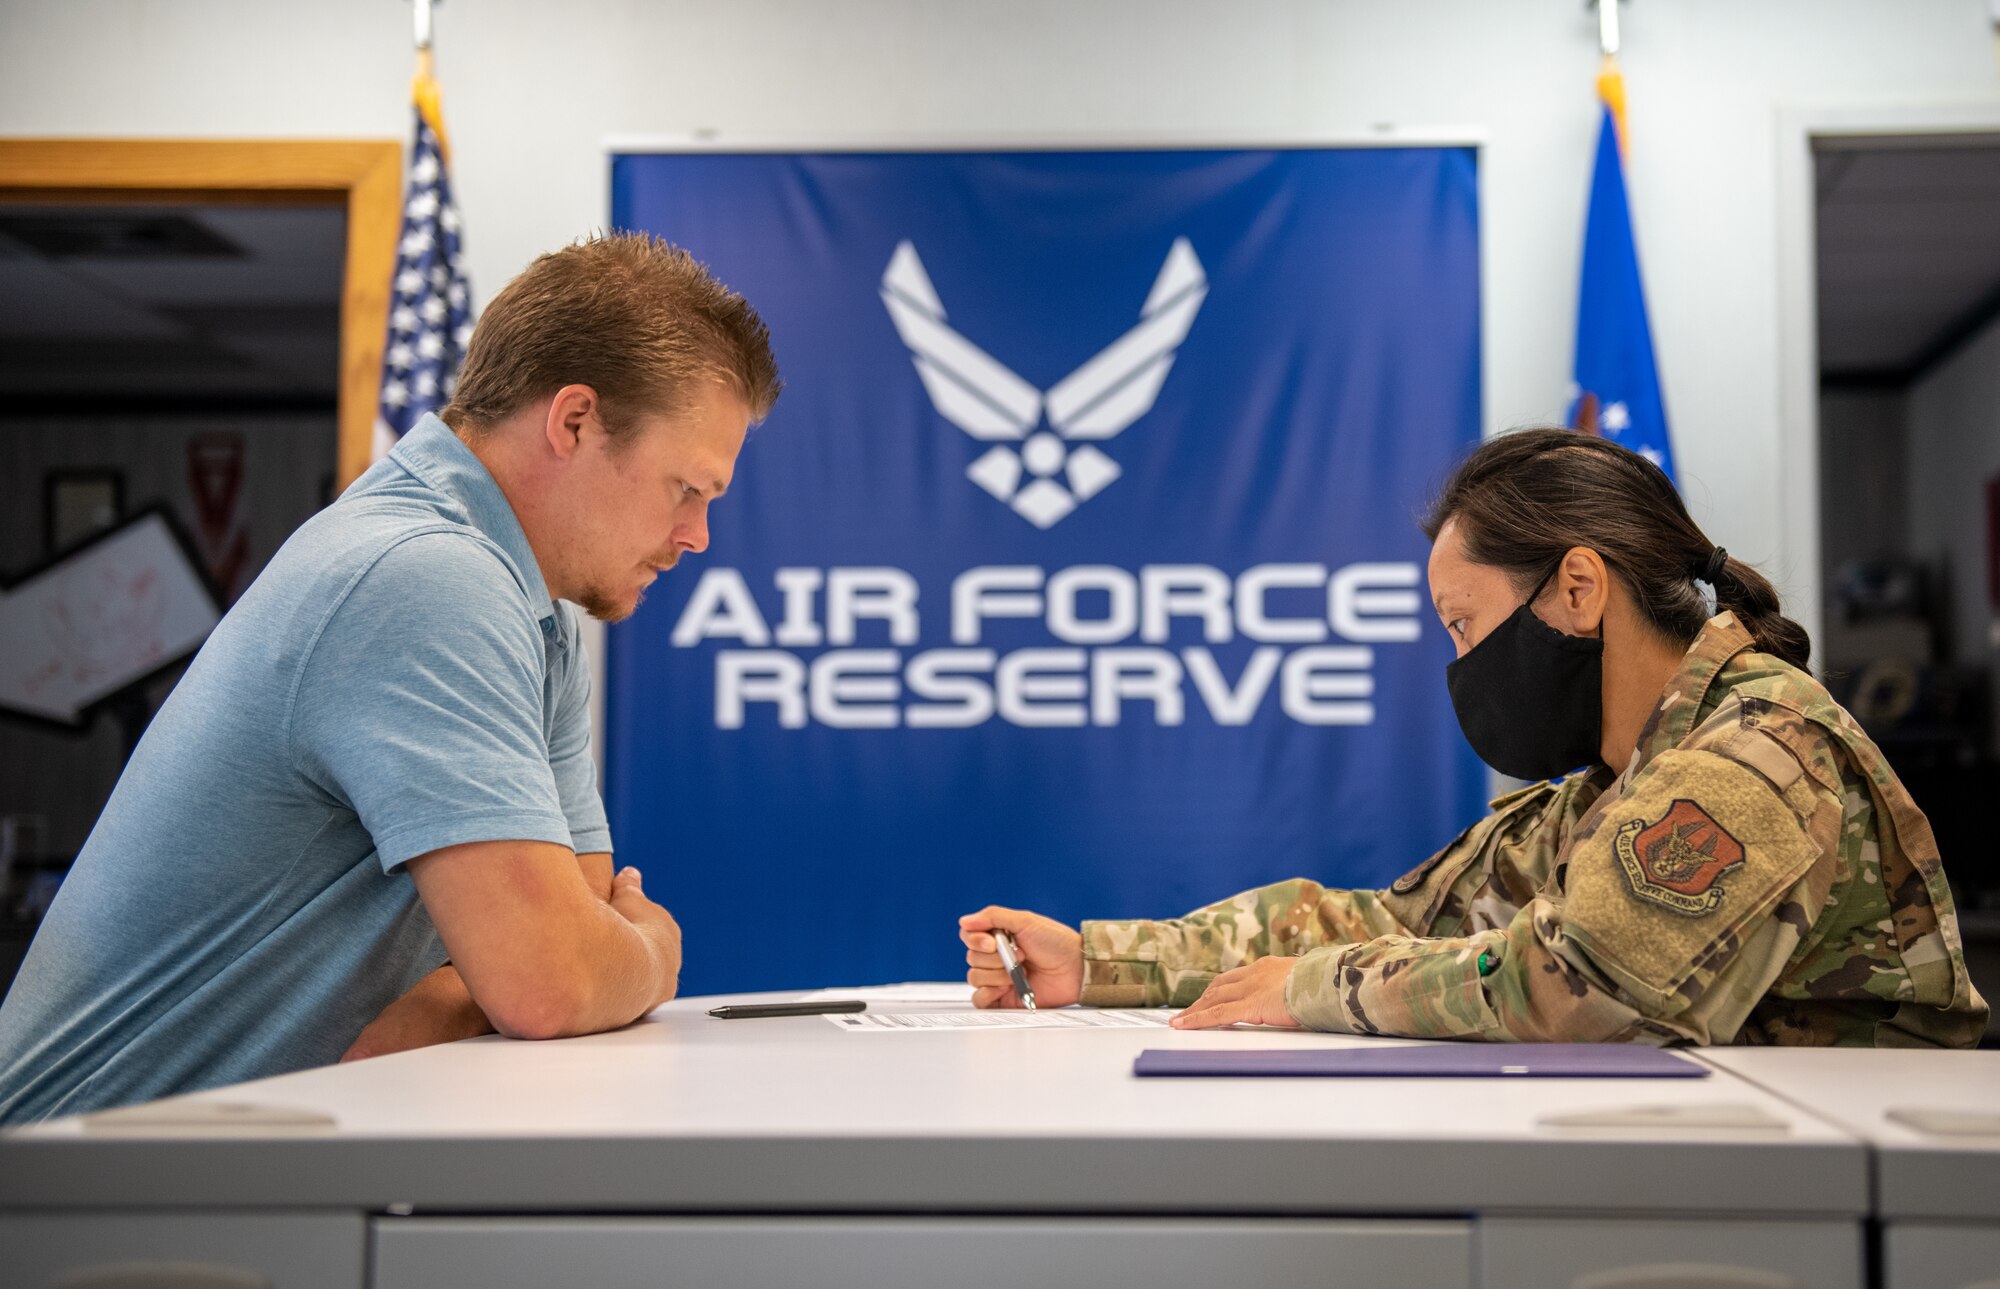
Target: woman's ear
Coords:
[[1583, 590]]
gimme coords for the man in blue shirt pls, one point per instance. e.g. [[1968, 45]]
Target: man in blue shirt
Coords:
[[380, 760]]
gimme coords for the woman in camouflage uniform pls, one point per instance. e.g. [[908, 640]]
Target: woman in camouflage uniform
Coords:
[[1736, 863]]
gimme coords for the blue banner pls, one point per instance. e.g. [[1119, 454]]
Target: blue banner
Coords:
[[1078, 568]]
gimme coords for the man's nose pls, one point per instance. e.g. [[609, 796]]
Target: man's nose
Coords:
[[692, 535]]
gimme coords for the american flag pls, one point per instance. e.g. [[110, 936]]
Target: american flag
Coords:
[[430, 313]]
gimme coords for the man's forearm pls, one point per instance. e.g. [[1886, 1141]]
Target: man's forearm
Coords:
[[437, 1009], [613, 974], [635, 974], [544, 949], [647, 982], [622, 999], [598, 870], [444, 994]]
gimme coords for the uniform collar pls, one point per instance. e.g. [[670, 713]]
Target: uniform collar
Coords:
[[1686, 696], [438, 457]]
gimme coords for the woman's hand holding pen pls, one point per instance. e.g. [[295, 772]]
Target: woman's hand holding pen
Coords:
[[1051, 952]]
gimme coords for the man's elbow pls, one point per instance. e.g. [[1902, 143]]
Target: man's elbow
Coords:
[[540, 1009]]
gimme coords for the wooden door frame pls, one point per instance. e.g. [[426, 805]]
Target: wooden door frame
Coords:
[[364, 175]]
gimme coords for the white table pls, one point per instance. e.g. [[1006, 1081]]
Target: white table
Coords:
[[690, 1150], [1937, 1193]]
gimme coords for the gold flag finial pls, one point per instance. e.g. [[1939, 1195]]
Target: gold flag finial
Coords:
[[1611, 90]]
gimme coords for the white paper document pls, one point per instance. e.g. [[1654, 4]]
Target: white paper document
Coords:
[[1064, 1018], [915, 991]]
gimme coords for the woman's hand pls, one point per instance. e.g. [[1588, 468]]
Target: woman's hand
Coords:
[[1253, 994], [1051, 953]]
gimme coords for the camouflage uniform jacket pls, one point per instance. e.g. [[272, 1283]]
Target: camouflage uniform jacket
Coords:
[[1756, 875]]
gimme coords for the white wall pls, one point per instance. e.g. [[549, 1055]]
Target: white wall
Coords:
[[532, 90], [1952, 423]]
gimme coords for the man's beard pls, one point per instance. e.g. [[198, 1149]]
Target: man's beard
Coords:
[[605, 609]]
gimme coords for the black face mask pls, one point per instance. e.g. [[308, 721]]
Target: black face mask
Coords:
[[1530, 698]]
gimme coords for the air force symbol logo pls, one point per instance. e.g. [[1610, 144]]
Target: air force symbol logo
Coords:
[[1045, 439]]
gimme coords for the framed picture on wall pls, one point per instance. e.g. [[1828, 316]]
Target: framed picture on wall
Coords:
[[80, 503]]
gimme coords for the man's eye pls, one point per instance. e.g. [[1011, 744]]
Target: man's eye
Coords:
[[1457, 627]]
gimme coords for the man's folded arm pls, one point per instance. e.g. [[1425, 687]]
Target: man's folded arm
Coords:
[[448, 984], [597, 873], [548, 943], [439, 1008]]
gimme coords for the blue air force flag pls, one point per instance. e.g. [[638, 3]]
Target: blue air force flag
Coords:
[[1617, 390], [430, 307], [1078, 567]]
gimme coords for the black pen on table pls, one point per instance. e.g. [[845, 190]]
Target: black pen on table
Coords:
[[1010, 958], [749, 1011]]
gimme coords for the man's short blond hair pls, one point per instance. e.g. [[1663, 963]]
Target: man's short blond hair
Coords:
[[631, 315]]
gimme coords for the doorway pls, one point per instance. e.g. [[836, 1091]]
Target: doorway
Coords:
[[1907, 281], [188, 328]]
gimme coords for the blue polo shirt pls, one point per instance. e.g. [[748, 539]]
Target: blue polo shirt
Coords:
[[397, 680]]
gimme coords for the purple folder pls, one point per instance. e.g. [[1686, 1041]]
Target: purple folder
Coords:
[[1429, 1061]]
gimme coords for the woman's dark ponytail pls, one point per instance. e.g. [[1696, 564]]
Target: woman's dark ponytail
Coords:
[[1524, 499], [1750, 596]]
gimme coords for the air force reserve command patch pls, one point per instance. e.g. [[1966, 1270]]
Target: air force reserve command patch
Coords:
[[1678, 860], [1697, 863]]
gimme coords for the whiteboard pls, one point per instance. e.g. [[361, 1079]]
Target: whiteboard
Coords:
[[104, 617]]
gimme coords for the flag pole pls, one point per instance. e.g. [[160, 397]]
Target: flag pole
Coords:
[[1611, 81], [424, 87], [430, 312], [1607, 26], [422, 12]]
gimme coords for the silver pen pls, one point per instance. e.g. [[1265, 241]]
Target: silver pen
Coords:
[[1010, 958]]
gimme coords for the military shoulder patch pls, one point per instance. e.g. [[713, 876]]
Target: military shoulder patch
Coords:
[[1677, 860]]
